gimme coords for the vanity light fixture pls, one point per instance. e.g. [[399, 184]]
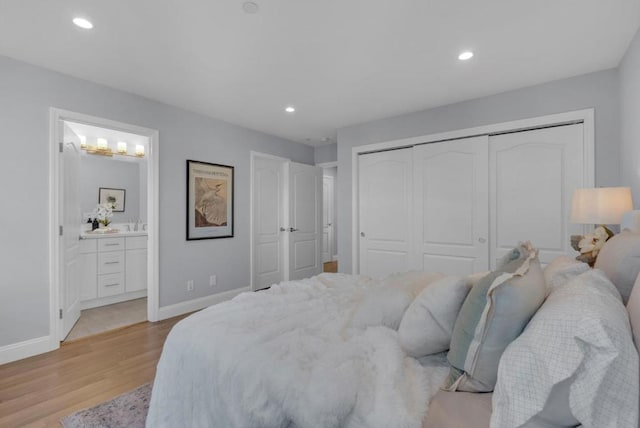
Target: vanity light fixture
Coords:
[[122, 148], [102, 148], [290, 109], [466, 55], [83, 23]]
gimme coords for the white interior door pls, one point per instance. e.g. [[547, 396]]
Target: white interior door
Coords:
[[532, 178], [305, 218], [269, 241], [70, 228], [327, 218], [385, 212], [451, 206]]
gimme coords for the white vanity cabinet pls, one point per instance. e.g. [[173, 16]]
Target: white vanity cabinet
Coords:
[[113, 269], [136, 263]]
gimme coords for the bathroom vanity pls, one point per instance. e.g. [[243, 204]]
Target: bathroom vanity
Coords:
[[113, 267]]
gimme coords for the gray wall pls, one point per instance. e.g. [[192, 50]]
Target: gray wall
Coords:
[[328, 153], [598, 90], [100, 171], [26, 93], [630, 101]]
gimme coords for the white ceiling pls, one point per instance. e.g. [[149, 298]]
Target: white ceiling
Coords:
[[340, 62]]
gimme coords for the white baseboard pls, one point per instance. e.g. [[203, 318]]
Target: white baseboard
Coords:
[[171, 311], [28, 348]]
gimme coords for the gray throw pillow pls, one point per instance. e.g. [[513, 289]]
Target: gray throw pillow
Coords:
[[494, 314]]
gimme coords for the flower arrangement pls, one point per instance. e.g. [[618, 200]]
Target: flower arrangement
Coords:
[[590, 244], [103, 213]]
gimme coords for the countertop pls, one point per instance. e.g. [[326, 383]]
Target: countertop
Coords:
[[119, 234]]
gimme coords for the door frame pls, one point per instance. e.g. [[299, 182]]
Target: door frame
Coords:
[[332, 238], [285, 200], [56, 116], [586, 117]]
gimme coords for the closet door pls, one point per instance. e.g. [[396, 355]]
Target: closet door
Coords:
[[451, 206], [385, 212], [269, 245], [532, 178], [305, 217]]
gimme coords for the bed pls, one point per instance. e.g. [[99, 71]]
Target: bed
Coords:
[[348, 351]]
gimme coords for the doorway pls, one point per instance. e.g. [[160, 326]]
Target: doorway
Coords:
[[104, 174], [286, 220]]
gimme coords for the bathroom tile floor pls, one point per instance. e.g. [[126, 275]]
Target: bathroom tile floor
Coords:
[[105, 318]]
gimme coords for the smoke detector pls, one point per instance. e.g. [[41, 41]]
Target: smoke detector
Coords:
[[250, 7]]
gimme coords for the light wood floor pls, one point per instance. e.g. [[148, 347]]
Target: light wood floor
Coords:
[[39, 391], [331, 267], [105, 318]]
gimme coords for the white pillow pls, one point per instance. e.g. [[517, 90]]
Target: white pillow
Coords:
[[561, 270], [385, 305], [427, 325], [574, 363], [620, 261]]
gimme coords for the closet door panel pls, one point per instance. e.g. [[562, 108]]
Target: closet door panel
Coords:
[[451, 220], [532, 178], [385, 212]]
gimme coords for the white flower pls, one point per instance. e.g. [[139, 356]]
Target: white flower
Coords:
[[103, 212]]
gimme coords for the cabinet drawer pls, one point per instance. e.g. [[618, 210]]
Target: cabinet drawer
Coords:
[[110, 284], [136, 242], [111, 262], [87, 246], [111, 244]]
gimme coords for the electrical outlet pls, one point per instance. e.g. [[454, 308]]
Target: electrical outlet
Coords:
[[190, 285], [213, 281]]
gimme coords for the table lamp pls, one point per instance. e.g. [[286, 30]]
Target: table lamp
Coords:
[[599, 206]]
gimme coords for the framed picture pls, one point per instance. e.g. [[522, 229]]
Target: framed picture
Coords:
[[112, 196], [209, 200]]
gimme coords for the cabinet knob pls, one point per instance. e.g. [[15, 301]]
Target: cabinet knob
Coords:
[[482, 240], [362, 234]]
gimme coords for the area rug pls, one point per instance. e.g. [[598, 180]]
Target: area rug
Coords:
[[128, 410]]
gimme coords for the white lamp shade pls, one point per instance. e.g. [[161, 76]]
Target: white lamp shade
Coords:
[[602, 205]]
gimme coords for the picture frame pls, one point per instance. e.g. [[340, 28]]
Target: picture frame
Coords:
[[210, 194], [117, 197]]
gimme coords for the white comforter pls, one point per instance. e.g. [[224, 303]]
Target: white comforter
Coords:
[[284, 358]]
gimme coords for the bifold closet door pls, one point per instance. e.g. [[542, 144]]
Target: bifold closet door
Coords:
[[385, 212], [532, 178], [451, 206]]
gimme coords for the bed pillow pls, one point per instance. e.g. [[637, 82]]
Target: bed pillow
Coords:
[[561, 270], [633, 308], [494, 313], [427, 324], [620, 261], [574, 363], [385, 305]]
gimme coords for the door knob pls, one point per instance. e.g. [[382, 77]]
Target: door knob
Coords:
[[362, 234], [291, 229], [482, 240], [282, 229]]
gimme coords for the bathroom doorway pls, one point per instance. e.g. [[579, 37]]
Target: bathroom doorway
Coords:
[[106, 213]]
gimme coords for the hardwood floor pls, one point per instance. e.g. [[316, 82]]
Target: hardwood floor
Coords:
[[331, 267], [39, 391]]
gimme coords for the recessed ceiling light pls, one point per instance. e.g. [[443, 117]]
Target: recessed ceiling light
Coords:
[[83, 23], [250, 7], [290, 109], [465, 55]]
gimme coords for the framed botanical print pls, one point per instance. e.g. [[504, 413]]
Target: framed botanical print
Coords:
[[209, 200], [115, 197]]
